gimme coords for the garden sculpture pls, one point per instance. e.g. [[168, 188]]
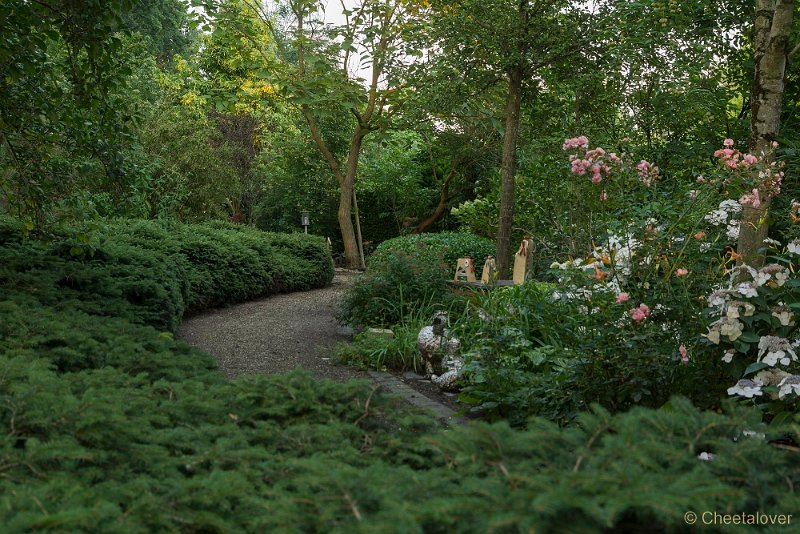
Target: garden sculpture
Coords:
[[465, 270], [521, 261], [439, 351], [489, 275]]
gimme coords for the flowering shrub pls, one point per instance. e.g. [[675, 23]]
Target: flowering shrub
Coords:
[[754, 329], [606, 166], [757, 178], [624, 324], [550, 351]]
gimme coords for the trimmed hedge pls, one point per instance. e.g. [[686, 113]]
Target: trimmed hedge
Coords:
[[435, 248], [152, 272], [108, 424]]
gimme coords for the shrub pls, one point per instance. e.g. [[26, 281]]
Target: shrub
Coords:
[[230, 263], [396, 287], [152, 272], [10, 230], [444, 247], [535, 349], [407, 274]]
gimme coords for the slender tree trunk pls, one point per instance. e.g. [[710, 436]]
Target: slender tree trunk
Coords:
[[444, 198], [508, 169], [346, 185], [359, 238], [773, 25]]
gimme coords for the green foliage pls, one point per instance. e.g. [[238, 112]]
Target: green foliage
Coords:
[[186, 168], [10, 230], [62, 120], [432, 249], [152, 272], [165, 25], [102, 449], [538, 349], [114, 426], [370, 350], [393, 289], [408, 275]]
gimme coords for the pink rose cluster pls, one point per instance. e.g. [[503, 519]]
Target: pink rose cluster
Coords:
[[598, 163], [733, 159], [581, 142], [769, 179], [648, 173], [751, 198], [585, 161], [640, 314]]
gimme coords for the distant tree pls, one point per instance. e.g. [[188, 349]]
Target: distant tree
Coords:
[[502, 43], [58, 108]]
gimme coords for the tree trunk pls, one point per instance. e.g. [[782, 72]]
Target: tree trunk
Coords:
[[773, 25], [444, 198], [346, 183], [508, 169], [359, 238]]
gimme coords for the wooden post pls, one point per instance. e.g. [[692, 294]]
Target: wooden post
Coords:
[[489, 275]]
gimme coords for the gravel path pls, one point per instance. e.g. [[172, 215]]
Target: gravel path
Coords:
[[276, 334], [284, 332]]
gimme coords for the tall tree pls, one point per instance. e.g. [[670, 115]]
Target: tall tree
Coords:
[[315, 69], [506, 43], [58, 112]]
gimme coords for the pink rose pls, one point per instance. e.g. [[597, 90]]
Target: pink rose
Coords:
[[622, 298], [684, 353], [637, 315], [681, 272]]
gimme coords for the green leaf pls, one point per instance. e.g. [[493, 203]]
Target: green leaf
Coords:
[[781, 419], [755, 367], [750, 337]]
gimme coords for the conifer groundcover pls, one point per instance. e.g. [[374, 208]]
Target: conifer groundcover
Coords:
[[109, 424]]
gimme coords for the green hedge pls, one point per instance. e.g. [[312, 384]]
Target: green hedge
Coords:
[[108, 424], [153, 272], [435, 248]]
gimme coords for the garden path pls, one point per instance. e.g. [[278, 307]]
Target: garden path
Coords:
[[276, 334], [296, 331]]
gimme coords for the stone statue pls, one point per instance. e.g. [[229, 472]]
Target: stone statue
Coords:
[[439, 352]]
